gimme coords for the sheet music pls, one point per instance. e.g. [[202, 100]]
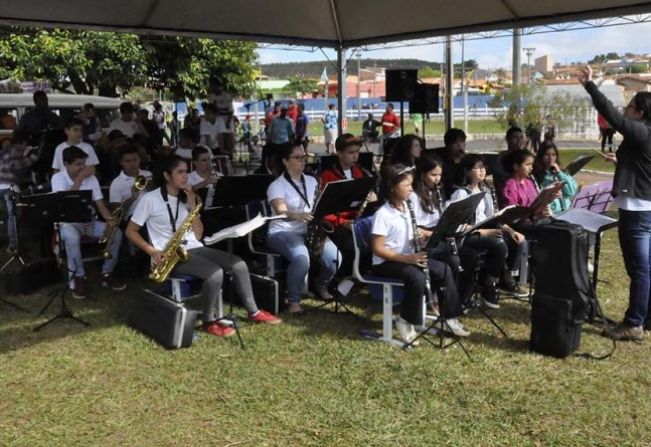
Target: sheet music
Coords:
[[240, 230], [589, 220]]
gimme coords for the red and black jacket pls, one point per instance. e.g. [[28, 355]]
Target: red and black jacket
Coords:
[[332, 175]]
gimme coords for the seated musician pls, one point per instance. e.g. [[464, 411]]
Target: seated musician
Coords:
[[394, 256], [122, 191], [520, 188], [203, 175], [77, 176], [164, 210], [547, 169], [503, 245], [293, 193], [408, 149], [427, 200], [345, 167]]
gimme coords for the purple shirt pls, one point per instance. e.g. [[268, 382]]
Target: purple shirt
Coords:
[[522, 193]]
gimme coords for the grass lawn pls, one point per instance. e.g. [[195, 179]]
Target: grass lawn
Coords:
[[431, 127], [314, 382]]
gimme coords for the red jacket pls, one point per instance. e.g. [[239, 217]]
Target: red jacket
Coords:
[[332, 175]]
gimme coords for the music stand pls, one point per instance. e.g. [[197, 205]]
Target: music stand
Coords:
[[336, 198], [60, 207], [578, 163], [17, 256]]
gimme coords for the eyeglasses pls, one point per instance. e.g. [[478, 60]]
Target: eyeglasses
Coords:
[[479, 167], [298, 157]]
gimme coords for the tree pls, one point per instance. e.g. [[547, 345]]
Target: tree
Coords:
[[429, 72], [638, 68], [300, 85], [85, 61], [113, 63], [526, 105], [189, 67]]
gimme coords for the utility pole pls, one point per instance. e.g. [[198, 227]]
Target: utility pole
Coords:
[[517, 33], [359, 92], [528, 51]]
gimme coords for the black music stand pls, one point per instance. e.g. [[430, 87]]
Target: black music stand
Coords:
[[336, 198], [65, 206], [17, 255], [454, 217]]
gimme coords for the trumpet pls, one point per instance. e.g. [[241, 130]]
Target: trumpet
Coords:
[[113, 225]]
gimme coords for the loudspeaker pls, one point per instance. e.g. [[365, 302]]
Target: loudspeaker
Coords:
[[426, 99], [401, 85]]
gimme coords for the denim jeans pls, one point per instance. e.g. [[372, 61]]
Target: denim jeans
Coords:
[[292, 247], [71, 234], [12, 237], [635, 242]]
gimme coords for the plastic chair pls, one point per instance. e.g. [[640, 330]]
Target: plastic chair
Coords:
[[257, 239]]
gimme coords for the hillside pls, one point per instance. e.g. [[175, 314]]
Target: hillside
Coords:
[[314, 69]]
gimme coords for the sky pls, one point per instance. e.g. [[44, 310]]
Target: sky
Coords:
[[565, 47]]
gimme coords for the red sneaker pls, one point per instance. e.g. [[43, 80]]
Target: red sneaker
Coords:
[[110, 281], [264, 317], [218, 329]]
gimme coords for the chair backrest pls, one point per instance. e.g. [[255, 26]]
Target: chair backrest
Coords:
[[362, 241], [596, 197], [222, 164], [258, 238]]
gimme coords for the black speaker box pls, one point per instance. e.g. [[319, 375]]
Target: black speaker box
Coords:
[[401, 85], [426, 99]]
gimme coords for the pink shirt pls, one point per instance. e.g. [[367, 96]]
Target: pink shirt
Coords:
[[519, 193]]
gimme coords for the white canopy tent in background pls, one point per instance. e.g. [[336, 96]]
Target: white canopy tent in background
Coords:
[[338, 24]]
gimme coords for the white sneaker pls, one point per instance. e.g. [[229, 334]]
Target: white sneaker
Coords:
[[406, 331], [456, 327]]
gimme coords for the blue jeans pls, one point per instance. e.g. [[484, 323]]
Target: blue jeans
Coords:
[[12, 238], [71, 234], [292, 247], [635, 242]]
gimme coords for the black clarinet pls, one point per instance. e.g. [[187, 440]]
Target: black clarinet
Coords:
[[486, 187], [438, 192], [558, 179], [418, 248]]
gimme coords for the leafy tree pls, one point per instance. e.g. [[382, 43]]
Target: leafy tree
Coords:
[[429, 72], [300, 85], [113, 63], [528, 105], [639, 68]]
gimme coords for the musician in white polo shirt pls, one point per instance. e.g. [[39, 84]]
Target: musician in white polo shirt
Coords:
[[75, 133], [122, 191], [77, 177], [203, 175]]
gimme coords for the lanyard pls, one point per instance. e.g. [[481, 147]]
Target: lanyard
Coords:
[[303, 194], [172, 217]]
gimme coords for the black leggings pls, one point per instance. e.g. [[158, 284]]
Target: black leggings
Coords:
[[441, 276]]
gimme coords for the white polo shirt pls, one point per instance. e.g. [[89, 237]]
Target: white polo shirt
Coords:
[[281, 189], [57, 162], [194, 179], [396, 228], [152, 210], [120, 189], [423, 218], [61, 181], [212, 130]]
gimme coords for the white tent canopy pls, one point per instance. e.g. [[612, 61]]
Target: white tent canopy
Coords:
[[326, 23]]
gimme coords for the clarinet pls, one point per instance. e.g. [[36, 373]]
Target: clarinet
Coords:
[[438, 191], [558, 179], [487, 187], [418, 248]]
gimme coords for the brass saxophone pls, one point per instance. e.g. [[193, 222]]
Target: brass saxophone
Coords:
[[317, 229], [174, 250], [112, 226]]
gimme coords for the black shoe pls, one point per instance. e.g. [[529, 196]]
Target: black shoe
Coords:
[[489, 296], [647, 325], [512, 289]]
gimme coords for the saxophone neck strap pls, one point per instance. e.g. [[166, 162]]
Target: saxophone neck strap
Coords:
[[303, 193], [173, 217]]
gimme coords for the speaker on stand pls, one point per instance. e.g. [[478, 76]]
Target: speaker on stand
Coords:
[[401, 85], [425, 101]]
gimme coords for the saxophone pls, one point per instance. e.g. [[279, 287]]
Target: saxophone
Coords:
[[317, 230], [174, 250], [111, 228]]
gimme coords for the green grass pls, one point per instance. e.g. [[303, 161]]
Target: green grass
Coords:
[[431, 127], [314, 382]]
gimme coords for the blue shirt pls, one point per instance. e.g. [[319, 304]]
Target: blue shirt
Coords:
[[281, 130], [330, 119]]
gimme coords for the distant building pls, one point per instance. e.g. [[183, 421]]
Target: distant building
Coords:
[[544, 64]]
